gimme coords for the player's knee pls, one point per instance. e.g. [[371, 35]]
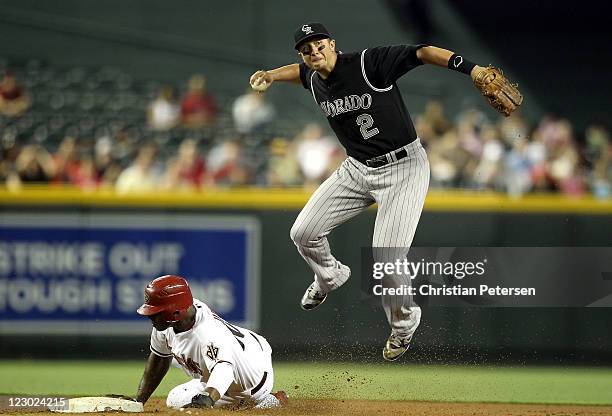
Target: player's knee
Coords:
[[181, 395], [304, 236], [176, 399], [297, 234]]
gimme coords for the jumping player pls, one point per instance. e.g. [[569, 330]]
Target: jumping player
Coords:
[[229, 366], [357, 92]]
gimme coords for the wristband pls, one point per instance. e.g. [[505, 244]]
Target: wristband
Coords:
[[460, 64]]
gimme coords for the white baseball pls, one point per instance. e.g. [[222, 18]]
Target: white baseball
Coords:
[[260, 85]]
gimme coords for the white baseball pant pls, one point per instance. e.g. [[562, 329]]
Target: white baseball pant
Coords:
[[399, 188]]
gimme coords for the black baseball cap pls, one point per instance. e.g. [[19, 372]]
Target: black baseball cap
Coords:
[[310, 31]]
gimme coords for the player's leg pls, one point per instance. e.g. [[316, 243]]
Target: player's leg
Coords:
[[264, 397], [400, 193], [342, 196]]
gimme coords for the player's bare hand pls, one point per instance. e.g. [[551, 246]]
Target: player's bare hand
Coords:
[[261, 81]]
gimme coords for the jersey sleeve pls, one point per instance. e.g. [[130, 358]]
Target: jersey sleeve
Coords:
[[221, 377], [385, 64], [305, 75], [159, 346]]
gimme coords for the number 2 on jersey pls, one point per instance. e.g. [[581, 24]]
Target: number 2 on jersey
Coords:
[[365, 123]]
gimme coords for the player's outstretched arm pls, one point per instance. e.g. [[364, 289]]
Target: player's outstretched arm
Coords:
[[501, 93], [154, 372], [261, 80], [441, 57]]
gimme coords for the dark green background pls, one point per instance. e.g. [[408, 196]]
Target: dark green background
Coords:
[[228, 41], [554, 50]]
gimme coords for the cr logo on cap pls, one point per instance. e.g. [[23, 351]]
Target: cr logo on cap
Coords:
[[307, 29]]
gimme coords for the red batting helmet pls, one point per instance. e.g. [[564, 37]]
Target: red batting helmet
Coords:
[[169, 295]]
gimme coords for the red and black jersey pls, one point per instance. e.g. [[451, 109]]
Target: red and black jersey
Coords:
[[362, 102]]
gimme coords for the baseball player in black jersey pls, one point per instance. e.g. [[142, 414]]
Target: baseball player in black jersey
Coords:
[[386, 163]]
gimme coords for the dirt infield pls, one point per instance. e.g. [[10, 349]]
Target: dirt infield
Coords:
[[303, 407]]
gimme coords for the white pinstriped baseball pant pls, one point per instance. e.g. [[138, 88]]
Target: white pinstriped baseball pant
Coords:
[[399, 189]]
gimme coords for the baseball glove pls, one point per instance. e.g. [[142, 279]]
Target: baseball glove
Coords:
[[501, 94]]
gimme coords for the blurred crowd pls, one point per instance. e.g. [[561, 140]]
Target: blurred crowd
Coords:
[[467, 150], [511, 155]]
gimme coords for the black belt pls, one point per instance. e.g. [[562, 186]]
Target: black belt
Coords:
[[387, 158], [261, 384]]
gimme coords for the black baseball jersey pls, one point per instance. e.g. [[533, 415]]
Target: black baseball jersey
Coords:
[[362, 102]]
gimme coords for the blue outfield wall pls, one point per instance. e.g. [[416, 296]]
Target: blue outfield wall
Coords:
[[84, 273]]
